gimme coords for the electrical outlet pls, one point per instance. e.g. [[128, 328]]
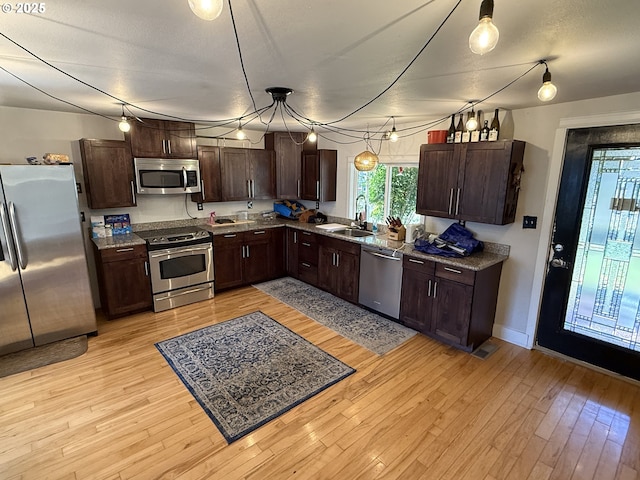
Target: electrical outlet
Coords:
[[529, 222], [82, 217], [249, 204], [200, 206], [78, 187]]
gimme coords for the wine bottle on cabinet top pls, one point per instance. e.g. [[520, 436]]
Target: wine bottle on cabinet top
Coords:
[[459, 129], [494, 132], [484, 133], [451, 133]]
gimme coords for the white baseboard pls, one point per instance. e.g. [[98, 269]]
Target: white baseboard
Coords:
[[512, 336]]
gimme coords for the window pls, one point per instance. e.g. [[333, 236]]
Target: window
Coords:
[[388, 190]]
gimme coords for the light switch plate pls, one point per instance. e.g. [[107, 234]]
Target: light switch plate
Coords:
[[529, 222]]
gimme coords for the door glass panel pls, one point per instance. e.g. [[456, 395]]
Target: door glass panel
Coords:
[[604, 298]]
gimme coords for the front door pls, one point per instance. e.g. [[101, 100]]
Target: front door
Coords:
[[591, 300]]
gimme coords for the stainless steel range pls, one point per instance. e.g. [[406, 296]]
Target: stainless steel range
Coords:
[[181, 266]]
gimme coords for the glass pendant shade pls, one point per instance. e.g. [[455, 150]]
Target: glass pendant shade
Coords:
[[206, 9], [124, 125], [548, 90], [366, 161]]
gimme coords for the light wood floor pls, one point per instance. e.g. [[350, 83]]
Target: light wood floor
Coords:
[[422, 411]]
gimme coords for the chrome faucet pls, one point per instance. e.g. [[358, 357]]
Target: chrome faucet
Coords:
[[361, 215]]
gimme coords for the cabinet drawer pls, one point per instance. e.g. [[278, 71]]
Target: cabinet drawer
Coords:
[[308, 251], [456, 274], [307, 237], [341, 245], [227, 239], [418, 264], [117, 254], [254, 236], [308, 272]]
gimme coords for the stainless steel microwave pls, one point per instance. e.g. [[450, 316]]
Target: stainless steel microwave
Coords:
[[160, 176]]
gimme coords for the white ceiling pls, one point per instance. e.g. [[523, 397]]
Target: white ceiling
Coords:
[[335, 54]]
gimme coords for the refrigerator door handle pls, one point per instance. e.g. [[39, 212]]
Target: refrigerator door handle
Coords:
[[16, 237], [6, 227]]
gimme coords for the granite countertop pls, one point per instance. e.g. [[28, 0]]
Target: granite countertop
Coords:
[[492, 254]]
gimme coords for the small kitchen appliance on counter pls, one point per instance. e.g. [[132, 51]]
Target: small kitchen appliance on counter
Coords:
[[180, 265]]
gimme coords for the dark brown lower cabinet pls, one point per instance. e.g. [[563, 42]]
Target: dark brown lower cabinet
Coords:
[[248, 257], [123, 277], [302, 255], [452, 304], [339, 268]]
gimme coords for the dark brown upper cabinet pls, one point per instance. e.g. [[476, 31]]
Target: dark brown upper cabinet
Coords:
[[288, 147], [319, 171], [162, 139], [108, 173], [247, 174], [476, 182]]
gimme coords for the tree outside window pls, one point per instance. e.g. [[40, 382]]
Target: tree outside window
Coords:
[[388, 190]]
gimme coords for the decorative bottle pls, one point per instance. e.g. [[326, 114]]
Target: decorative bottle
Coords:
[[484, 133], [451, 133], [495, 127], [459, 129]]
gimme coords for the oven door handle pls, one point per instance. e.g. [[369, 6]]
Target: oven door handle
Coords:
[[172, 251], [186, 292]]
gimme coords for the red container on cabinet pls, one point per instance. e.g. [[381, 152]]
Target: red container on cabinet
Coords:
[[437, 136]]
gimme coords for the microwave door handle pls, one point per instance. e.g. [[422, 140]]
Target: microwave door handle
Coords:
[[6, 228], [184, 178]]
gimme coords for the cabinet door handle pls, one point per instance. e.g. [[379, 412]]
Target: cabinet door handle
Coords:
[[305, 265], [247, 251], [333, 258], [249, 188], [305, 244], [453, 270], [457, 201], [120, 250], [298, 188], [420, 262], [435, 289], [429, 288], [133, 192], [318, 189], [306, 233], [253, 189], [146, 268], [202, 190], [243, 252], [259, 232], [450, 200], [169, 146], [295, 237], [230, 235], [337, 259]]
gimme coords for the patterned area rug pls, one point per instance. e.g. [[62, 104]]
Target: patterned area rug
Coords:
[[357, 324], [247, 371]]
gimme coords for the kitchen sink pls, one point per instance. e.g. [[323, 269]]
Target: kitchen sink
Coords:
[[353, 232]]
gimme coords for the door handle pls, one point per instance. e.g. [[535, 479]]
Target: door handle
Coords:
[[560, 263], [337, 259], [318, 189], [249, 188], [202, 190], [5, 226], [16, 237], [169, 146], [457, 201], [247, 251], [164, 148], [298, 188], [133, 192], [450, 200], [429, 288], [146, 268]]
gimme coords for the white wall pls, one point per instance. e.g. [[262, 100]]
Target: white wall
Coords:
[[33, 133]]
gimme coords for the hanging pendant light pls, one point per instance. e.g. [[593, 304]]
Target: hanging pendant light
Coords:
[[240, 135], [393, 135], [206, 9], [472, 121], [124, 123], [312, 137], [365, 161], [484, 37], [548, 90]]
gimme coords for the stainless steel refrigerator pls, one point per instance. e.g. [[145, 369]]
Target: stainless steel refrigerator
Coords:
[[45, 294]]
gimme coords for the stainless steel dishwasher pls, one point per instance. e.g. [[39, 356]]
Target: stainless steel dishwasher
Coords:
[[381, 280]]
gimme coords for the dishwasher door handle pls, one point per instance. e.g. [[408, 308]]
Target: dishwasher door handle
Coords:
[[386, 257]]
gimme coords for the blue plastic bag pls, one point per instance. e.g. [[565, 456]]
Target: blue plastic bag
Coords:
[[455, 235]]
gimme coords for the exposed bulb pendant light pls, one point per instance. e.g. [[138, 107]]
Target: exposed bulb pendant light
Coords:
[[312, 137], [548, 90], [124, 123], [472, 121], [393, 135], [485, 36], [240, 135], [206, 9]]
